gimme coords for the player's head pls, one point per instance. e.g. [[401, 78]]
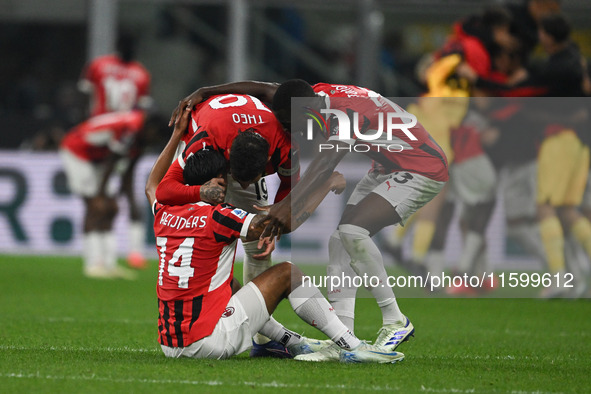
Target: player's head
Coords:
[[203, 166], [126, 46], [282, 99], [554, 30], [249, 155]]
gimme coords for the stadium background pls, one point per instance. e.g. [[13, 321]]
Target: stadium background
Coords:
[[187, 44]]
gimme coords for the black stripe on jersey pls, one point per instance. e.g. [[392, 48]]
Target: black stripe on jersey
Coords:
[[222, 238], [165, 317], [178, 320], [426, 148], [226, 221], [160, 328], [195, 309], [197, 137], [276, 159]]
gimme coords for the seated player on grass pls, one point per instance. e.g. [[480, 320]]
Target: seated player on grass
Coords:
[[198, 315]]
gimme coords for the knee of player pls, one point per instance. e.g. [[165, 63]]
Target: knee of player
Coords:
[[290, 273]]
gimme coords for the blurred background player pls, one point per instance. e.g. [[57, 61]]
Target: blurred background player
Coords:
[[90, 153], [560, 182], [118, 82], [442, 110], [198, 315]]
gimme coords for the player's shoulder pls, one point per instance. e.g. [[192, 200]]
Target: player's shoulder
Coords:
[[230, 211], [338, 90]]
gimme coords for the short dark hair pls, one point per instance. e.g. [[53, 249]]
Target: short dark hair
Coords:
[[289, 89], [248, 156], [203, 166], [556, 26]]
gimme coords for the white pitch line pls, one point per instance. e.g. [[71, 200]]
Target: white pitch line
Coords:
[[65, 319], [273, 384], [126, 349]]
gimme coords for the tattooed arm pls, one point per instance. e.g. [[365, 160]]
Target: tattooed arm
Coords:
[[304, 209], [213, 191]]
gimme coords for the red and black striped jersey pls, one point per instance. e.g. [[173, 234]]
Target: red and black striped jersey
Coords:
[[422, 156], [196, 246], [115, 85], [95, 139], [214, 125]]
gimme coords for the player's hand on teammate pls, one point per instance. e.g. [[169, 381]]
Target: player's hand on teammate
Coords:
[[278, 219], [338, 182], [268, 244], [213, 191], [187, 103], [181, 121]]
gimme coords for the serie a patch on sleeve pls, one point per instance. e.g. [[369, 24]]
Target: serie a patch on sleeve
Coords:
[[239, 213]]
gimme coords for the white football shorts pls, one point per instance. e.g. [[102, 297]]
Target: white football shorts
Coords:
[[83, 176], [254, 194], [244, 316], [406, 192], [474, 180]]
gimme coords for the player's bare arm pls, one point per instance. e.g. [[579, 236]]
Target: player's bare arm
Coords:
[[301, 211], [166, 156], [317, 173], [261, 90]]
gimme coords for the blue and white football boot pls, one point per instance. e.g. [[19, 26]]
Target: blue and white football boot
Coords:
[[392, 335]]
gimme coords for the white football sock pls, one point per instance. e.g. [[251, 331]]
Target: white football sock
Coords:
[[340, 274], [309, 304], [109, 251], [136, 237], [253, 267], [92, 249], [472, 244], [274, 330], [367, 259]]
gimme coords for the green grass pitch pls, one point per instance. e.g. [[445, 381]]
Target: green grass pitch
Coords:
[[63, 333]]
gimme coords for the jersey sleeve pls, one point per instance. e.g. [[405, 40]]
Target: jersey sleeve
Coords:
[[288, 171], [230, 223], [172, 191]]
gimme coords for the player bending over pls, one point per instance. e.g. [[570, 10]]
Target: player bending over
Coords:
[[198, 315]]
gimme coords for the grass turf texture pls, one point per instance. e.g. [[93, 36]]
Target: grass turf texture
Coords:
[[64, 333]]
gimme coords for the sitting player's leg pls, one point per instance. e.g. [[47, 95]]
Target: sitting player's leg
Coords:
[[286, 281]]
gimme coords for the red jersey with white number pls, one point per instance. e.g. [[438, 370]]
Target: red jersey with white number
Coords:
[[196, 246], [115, 85], [398, 153], [214, 125], [95, 139]]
